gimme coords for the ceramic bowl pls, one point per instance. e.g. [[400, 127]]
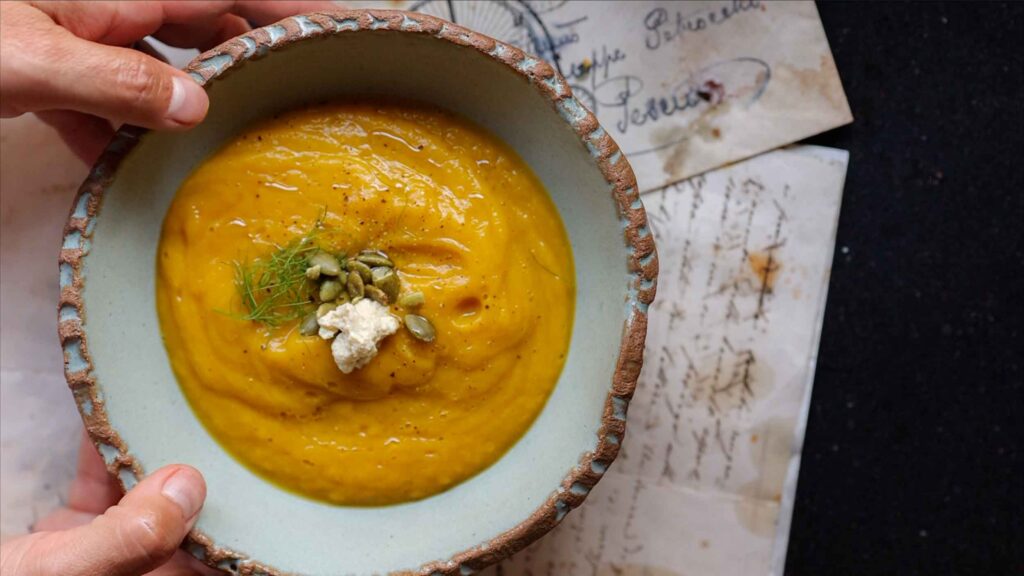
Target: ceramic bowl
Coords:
[[135, 412]]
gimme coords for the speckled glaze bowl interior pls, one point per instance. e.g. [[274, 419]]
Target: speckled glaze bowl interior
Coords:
[[117, 367]]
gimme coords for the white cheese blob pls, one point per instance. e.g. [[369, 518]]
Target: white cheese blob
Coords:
[[356, 329]]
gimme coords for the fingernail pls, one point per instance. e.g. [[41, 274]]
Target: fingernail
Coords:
[[184, 488], [188, 102]]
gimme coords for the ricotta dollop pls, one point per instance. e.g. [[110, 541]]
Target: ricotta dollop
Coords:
[[356, 330]]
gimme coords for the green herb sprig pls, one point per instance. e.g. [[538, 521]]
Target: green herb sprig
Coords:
[[275, 290]]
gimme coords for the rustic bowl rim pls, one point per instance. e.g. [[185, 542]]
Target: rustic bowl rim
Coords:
[[612, 163]]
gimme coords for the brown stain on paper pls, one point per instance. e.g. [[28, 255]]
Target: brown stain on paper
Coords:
[[765, 267], [703, 127], [758, 510], [823, 80]]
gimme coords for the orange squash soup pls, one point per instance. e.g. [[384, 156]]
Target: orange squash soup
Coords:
[[478, 252]]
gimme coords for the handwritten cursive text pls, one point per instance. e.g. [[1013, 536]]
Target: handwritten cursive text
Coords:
[[664, 27]]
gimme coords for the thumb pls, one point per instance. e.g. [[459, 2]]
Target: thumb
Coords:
[[124, 86], [138, 535]]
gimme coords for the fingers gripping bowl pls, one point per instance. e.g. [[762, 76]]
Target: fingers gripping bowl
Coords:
[[118, 368]]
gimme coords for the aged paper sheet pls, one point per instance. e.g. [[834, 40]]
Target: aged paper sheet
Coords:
[[683, 87], [705, 481]]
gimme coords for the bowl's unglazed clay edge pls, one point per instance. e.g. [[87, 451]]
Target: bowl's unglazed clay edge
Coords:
[[642, 266]]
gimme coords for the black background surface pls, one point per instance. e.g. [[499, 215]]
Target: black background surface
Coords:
[[912, 461]]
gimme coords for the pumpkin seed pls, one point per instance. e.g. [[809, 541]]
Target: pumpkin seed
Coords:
[[356, 300], [329, 290], [419, 327], [376, 294], [328, 264], [355, 285], [386, 279], [362, 269], [313, 272], [324, 308], [411, 300], [343, 260], [342, 298], [309, 325], [375, 260]]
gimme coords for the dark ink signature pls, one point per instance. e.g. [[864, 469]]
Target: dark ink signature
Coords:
[[740, 79], [664, 27]]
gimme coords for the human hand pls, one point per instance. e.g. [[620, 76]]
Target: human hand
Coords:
[[95, 535], [69, 63]]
